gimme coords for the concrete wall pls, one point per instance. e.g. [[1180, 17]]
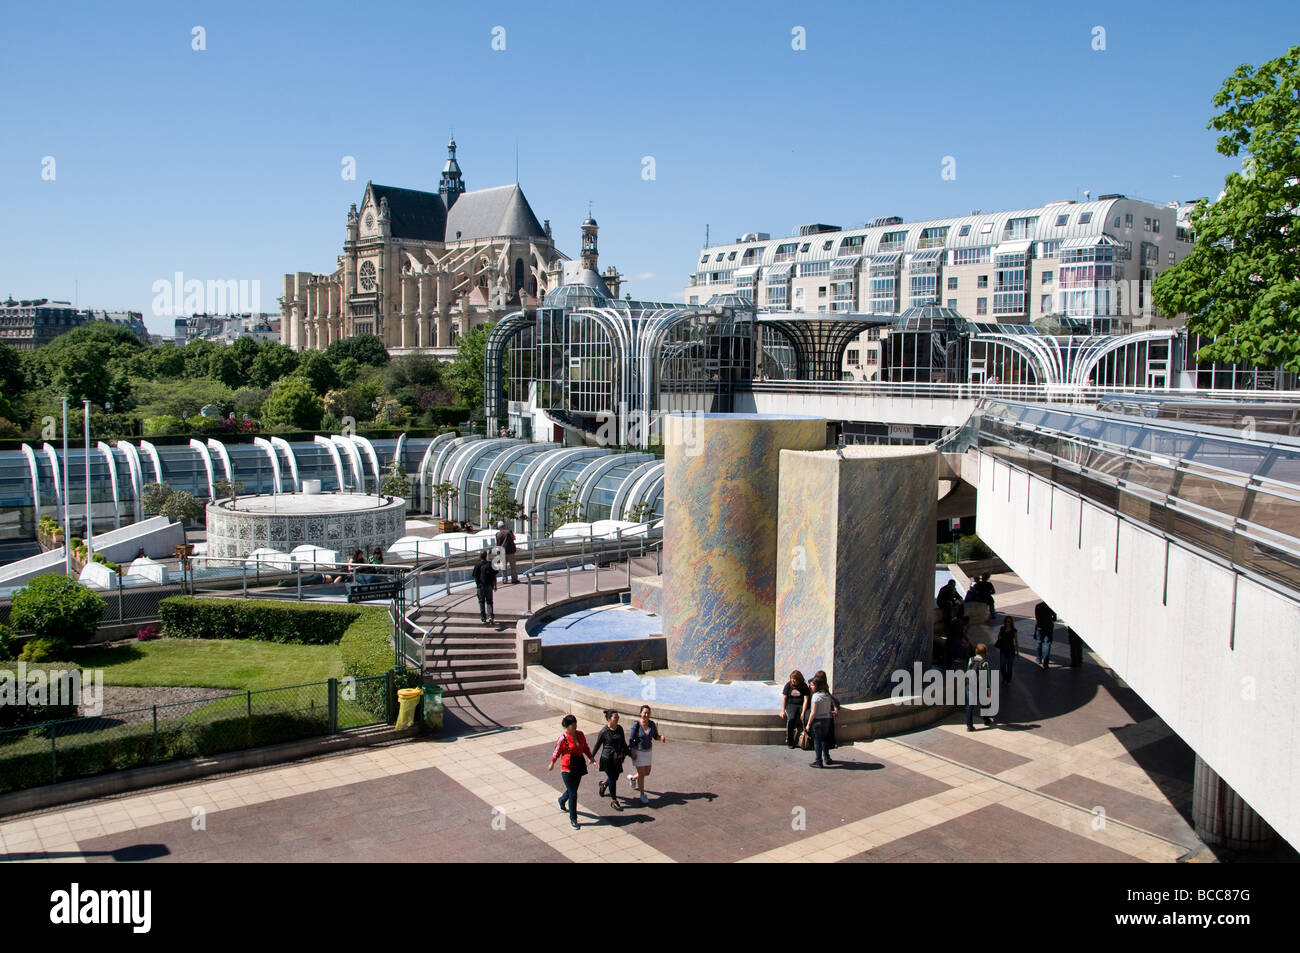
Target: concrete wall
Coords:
[[1217, 656]]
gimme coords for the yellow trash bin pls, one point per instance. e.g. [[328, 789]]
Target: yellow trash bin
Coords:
[[407, 700]]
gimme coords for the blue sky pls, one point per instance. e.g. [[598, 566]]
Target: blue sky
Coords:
[[225, 163]]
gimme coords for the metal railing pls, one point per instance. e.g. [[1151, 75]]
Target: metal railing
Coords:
[[58, 750], [1033, 393]]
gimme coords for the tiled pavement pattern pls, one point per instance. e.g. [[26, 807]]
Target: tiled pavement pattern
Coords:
[[1078, 769]]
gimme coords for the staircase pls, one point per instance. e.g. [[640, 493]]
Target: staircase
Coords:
[[466, 656]]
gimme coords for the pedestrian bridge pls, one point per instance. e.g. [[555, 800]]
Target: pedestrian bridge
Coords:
[[1173, 548]]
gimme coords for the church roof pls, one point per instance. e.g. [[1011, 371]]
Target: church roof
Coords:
[[492, 213], [417, 215]]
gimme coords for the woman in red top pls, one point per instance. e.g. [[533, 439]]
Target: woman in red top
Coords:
[[572, 742]]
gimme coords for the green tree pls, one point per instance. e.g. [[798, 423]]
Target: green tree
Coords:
[[397, 483], [273, 362], [464, 375], [57, 607], [412, 370], [225, 366], [293, 403], [502, 504], [183, 507], [87, 363], [227, 489], [318, 372], [567, 507], [640, 512], [153, 496], [1240, 285], [364, 349]]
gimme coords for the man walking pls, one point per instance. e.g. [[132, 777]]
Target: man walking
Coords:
[[506, 540], [485, 581], [1046, 623], [977, 686]]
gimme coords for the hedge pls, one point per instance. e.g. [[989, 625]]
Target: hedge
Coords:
[[367, 651], [192, 617], [27, 762]]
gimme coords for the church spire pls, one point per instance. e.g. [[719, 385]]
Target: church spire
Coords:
[[452, 185]]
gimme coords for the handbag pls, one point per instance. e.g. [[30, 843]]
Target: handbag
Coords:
[[577, 763], [805, 740]]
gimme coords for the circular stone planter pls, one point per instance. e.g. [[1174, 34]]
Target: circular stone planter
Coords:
[[338, 521]]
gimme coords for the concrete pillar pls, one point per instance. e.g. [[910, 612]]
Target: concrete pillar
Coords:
[[444, 307], [855, 566], [720, 493], [1222, 818]]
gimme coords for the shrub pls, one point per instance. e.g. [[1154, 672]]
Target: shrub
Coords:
[[6, 647], [191, 617], [149, 633], [367, 651], [56, 607], [49, 649]]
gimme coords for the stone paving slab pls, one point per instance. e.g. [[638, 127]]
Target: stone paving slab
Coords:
[[1125, 806], [993, 831]]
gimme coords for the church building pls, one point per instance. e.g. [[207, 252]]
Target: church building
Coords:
[[419, 269]]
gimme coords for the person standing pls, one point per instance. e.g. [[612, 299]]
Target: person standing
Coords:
[[612, 748], [376, 557], [506, 540], [485, 582], [1008, 646], [570, 749], [819, 720], [977, 686], [794, 694], [1045, 623], [835, 707], [949, 600], [1076, 647], [641, 744]]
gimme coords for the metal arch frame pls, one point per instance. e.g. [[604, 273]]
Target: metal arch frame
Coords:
[[224, 454], [30, 454], [590, 478], [636, 494], [154, 458], [622, 343], [821, 340], [800, 359], [107, 451], [399, 447], [545, 477], [206, 457], [53, 457], [136, 470], [426, 504], [365, 444], [502, 463], [1039, 358], [523, 490], [354, 461], [284, 445], [328, 444], [269, 449], [493, 358], [464, 463], [655, 491], [1109, 344], [621, 504], [438, 470], [651, 331]]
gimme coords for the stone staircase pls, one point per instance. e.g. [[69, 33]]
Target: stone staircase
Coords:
[[467, 657]]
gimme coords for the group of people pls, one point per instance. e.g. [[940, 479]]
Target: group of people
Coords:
[[485, 573], [809, 710], [358, 559], [614, 748]]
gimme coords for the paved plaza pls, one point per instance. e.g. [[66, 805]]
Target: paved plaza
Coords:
[[1078, 769]]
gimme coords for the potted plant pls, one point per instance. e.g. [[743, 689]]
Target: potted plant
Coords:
[[444, 493]]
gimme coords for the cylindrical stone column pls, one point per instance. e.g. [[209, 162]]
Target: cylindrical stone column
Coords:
[[1221, 817], [720, 492], [855, 567]]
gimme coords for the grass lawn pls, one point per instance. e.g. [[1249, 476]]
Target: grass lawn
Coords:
[[213, 663]]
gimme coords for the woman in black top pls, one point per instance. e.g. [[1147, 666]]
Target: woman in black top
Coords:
[[1008, 645], [612, 748], [793, 695]]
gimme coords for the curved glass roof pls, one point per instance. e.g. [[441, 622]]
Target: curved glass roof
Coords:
[[930, 318], [574, 296], [1234, 498]]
